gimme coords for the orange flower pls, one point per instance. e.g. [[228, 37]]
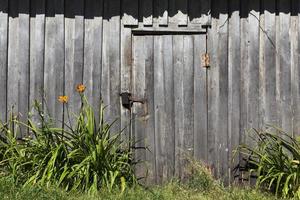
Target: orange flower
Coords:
[[63, 99], [80, 88]]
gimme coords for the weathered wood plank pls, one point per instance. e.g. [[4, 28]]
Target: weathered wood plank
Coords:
[[150, 143], [295, 47], [159, 106], [54, 58], [285, 66], [74, 26], [178, 46], [269, 77], [200, 99], [12, 68], [138, 109], [18, 59], [213, 85], [130, 12], [252, 68], [168, 80], [126, 68], [93, 52], [147, 12], [110, 81], [23, 56], [37, 52], [188, 103], [178, 12], [222, 133], [234, 89], [3, 57]]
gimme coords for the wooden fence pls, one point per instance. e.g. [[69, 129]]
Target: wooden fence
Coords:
[[49, 46]]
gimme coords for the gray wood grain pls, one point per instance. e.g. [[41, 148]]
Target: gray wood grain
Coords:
[[252, 72], [285, 67], [159, 112], [37, 52], [111, 62], [178, 45], [18, 60], [168, 79], [126, 65], [3, 57], [244, 33], [295, 69], [200, 100], [188, 104], [222, 130], [138, 109], [149, 96], [54, 59], [213, 96], [93, 52], [234, 87], [74, 49], [269, 76]]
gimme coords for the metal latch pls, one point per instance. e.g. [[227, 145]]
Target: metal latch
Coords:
[[205, 60], [128, 100]]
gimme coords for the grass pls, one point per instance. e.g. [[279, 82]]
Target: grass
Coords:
[[173, 190]]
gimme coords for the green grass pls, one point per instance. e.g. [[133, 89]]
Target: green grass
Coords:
[[172, 190]]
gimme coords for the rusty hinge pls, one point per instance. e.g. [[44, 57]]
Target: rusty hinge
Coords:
[[205, 60]]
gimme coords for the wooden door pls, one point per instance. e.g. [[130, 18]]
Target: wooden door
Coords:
[[172, 122]]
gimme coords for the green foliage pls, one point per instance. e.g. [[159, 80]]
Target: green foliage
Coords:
[[275, 159], [85, 157], [170, 191]]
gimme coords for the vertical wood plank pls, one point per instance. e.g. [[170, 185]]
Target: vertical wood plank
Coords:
[[147, 12], [93, 52], [200, 99], [18, 59], [222, 133], [110, 82], [295, 45], [178, 46], [130, 12], [160, 115], [3, 58], [138, 109], [213, 95], [74, 26], [178, 12], [12, 68], [54, 58], [126, 69], [244, 45], [234, 77], [285, 103], [168, 94], [37, 51], [252, 69], [269, 74], [150, 143], [188, 104]]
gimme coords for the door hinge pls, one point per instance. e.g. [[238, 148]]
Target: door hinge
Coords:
[[206, 60]]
